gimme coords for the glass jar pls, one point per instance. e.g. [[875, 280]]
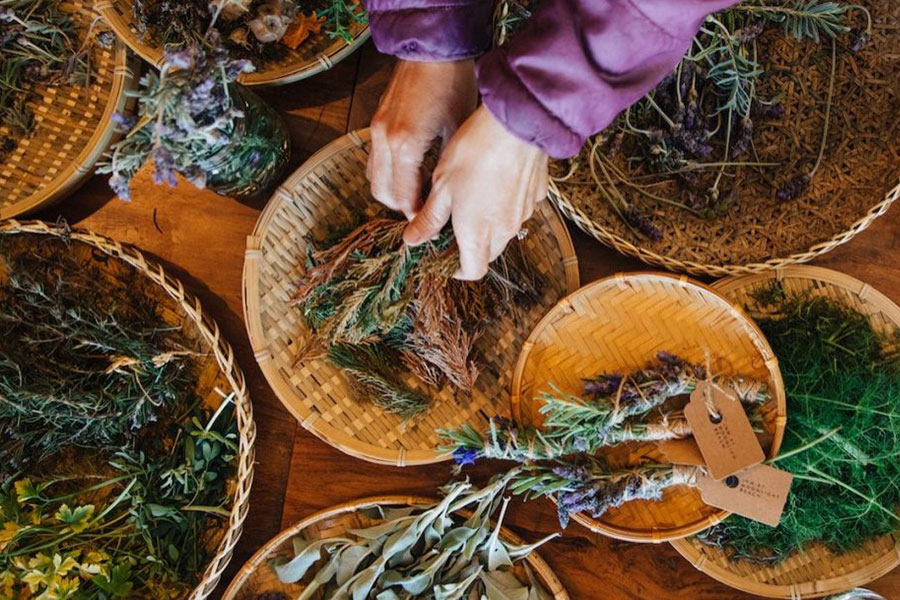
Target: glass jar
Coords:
[[259, 151]]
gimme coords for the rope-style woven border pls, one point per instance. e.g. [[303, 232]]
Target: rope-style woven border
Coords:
[[224, 357], [543, 571], [618, 243], [79, 170], [841, 580], [280, 75]]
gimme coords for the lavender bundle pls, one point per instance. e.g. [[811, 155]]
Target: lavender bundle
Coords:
[[614, 409], [380, 310]]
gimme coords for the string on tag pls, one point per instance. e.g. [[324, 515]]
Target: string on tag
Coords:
[[714, 415]]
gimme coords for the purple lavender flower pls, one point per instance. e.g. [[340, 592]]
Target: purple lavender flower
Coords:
[[465, 456], [179, 59], [794, 188], [163, 166], [121, 186], [603, 386], [124, 121], [643, 224], [860, 42]]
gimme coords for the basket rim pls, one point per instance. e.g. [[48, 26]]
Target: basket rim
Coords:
[[760, 343], [282, 75], [615, 241], [845, 580], [536, 561], [80, 168], [276, 378], [224, 356]]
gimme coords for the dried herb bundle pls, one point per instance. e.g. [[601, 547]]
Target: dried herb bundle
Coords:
[[260, 30], [843, 377], [426, 552], [112, 474], [194, 120], [613, 410], [378, 307], [38, 46], [689, 143]]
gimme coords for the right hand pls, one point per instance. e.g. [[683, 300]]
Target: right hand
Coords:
[[423, 102]]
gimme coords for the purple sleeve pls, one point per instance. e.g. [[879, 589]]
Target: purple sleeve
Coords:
[[578, 63], [431, 30]]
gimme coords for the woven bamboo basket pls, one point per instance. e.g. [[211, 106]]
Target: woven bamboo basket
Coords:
[[218, 373], [618, 324], [326, 193], [73, 127], [815, 572], [317, 53], [857, 182], [255, 577]]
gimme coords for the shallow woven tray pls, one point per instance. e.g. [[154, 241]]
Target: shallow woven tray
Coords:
[[255, 577], [218, 373], [325, 193], [317, 53], [618, 324], [815, 572], [857, 183], [73, 127]]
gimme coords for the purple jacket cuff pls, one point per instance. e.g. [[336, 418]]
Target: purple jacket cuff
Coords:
[[431, 30], [578, 63]]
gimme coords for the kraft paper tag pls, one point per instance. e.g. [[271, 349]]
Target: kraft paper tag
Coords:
[[759, 493], [682, 452], [722, 431]]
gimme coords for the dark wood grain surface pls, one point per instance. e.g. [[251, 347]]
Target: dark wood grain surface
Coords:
[[201, 238]]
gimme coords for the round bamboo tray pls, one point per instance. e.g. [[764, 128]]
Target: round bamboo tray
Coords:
[[317, 53], [324, 194], [815, 572], [218, 374], [73, 127], [255, 577], [857, 182], [618, 324]]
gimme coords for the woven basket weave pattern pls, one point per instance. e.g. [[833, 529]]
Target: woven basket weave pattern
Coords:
[[319, 52], [256, 577], [218, 373], [815, 572], [328, 193], [73, 127], [618, 325]]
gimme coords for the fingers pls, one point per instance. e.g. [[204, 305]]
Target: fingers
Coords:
[[474, 254], [406, 182], [429, 221], [394, 169]]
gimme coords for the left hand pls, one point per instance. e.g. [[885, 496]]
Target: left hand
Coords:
[[488, 182]]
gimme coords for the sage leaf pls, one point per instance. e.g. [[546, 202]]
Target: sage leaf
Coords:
[[502, 585]]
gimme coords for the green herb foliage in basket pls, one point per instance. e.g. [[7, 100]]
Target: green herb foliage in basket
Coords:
[[194, 120], [39, 45], [843, 438], [426, 552], [260, 30], [112, 472], [381, 310]]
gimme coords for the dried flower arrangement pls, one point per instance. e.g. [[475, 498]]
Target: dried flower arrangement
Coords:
[[559, 459], [843, 391], [761, 113], [260, 30], [39, 46], [194, 120], [112, 472], [427, 552], [381, 310]]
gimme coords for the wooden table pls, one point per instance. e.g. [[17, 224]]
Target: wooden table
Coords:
[[200, 237]]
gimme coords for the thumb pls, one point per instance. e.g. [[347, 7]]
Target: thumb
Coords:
[[429, 221]]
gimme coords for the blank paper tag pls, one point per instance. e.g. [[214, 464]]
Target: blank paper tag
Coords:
[[759, 493], [682, 452], [726, 439]]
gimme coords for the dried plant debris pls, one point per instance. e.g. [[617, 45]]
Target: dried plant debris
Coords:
[[260, 30], [426, 552], [614, 409], [382, 310], [843, 396], [778, 106], [39, 46], [112, 472]]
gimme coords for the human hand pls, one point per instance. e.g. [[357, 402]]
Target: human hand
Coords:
[[488, 182], [423, 101]]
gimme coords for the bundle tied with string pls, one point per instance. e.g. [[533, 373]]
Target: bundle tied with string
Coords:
[[379, 309]]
